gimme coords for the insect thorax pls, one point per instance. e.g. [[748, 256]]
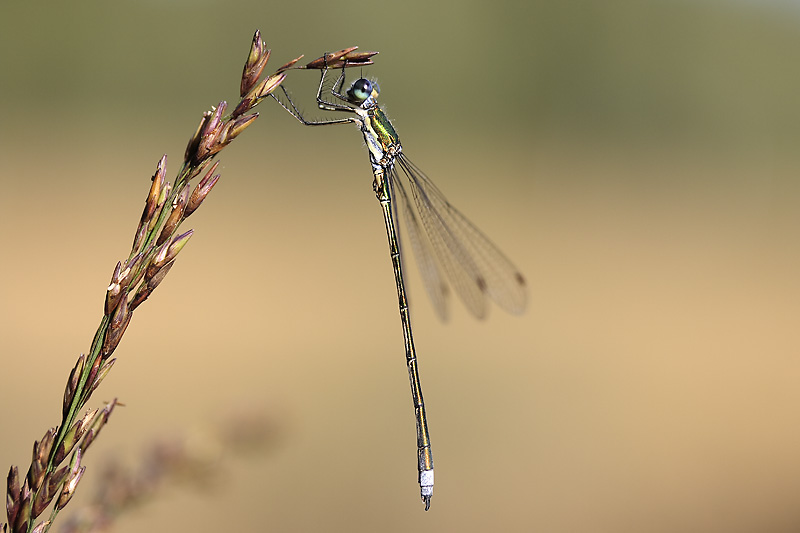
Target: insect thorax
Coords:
[[381, 138]]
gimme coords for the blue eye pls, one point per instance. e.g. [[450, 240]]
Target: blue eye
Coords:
[[360, 90]]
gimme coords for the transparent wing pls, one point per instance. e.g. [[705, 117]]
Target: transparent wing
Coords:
[[473, 264], [432, 279]]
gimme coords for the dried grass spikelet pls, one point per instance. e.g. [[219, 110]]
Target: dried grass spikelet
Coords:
[[156, 244]]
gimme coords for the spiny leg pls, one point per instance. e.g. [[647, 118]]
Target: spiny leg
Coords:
[[332, 106], [336, 90], [293, 110]]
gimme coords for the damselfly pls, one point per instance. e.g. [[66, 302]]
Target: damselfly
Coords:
[[440, 235]]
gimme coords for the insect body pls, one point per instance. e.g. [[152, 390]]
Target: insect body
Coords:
[[442, 238]]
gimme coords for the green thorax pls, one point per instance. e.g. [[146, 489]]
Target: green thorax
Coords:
[[382, 129]]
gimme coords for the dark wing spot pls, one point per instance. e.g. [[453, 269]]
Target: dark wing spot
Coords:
[[519, 278], [481, 283], [445, 289]]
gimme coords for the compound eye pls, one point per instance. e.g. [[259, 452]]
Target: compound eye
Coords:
[[360, 90]]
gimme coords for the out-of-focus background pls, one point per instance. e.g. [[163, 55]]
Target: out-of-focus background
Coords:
[[638, 160]]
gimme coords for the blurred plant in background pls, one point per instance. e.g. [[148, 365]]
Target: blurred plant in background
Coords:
[[196, 461]]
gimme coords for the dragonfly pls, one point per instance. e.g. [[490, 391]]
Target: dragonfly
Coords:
[[441, 237]]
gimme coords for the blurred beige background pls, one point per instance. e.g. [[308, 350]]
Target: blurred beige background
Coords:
[[636, 159]]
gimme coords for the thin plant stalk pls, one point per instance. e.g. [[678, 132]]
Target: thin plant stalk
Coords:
[[156, 244]]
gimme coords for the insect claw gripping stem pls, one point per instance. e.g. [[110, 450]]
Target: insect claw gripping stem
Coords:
[[347, 57]]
